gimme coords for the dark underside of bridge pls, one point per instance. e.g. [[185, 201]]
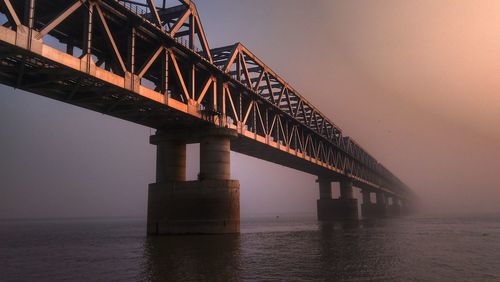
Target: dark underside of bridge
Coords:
[[31, 73], [24, 70], [153, 66]]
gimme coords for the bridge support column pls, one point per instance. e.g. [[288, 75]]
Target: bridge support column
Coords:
[[368, 209], [343, 208], [209, 205], [394, 209], [325, 202], [366, 197], [215, 149], [381, 205], [170, 159], [348, 205], [407, 208], [371, 210]]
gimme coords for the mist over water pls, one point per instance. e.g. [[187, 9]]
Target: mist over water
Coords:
[[288, 248], [415, 83]]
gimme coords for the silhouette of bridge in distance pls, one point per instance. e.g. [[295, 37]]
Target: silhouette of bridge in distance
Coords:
[[150, 63]]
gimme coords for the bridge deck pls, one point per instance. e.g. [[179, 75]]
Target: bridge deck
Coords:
[[149, 73]]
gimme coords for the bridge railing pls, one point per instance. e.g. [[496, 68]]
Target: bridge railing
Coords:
[[242, 65], [158, 56], [135, 7]]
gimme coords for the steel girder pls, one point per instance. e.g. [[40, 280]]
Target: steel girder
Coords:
[[156, 68]]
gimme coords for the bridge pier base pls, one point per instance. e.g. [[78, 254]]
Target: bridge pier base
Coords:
[[194, 207], [370, 210], [209, 205], [407, 208], [337, 209], [381, 205], [394, 209], [344, 208]]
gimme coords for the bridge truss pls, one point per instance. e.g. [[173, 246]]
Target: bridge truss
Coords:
[[150, 63]]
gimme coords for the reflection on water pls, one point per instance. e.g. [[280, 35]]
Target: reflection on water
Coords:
[[359, 250], [193, 257], [407, 249]]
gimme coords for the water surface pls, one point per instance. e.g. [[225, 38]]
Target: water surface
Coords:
[[285, 248]]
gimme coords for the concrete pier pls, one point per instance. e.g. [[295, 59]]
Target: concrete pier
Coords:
[[324, 204], [215, 149], [170, 158], [394, 208], [380, 197], [370, 210], [409, 207], [367, 207], [343, 208], [346, 189], [209, 205]]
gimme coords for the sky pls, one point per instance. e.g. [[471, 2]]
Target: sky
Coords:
[[414, 82]]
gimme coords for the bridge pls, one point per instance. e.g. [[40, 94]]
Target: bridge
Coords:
[[150, 63]]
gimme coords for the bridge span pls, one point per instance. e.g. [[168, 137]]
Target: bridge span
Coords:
[[149, 62]]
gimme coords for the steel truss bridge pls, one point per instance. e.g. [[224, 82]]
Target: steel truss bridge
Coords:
[[150, 63]]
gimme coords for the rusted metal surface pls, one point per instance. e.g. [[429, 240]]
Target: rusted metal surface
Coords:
[[151, 64]]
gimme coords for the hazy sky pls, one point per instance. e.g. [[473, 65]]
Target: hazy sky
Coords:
[[416, 83]]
